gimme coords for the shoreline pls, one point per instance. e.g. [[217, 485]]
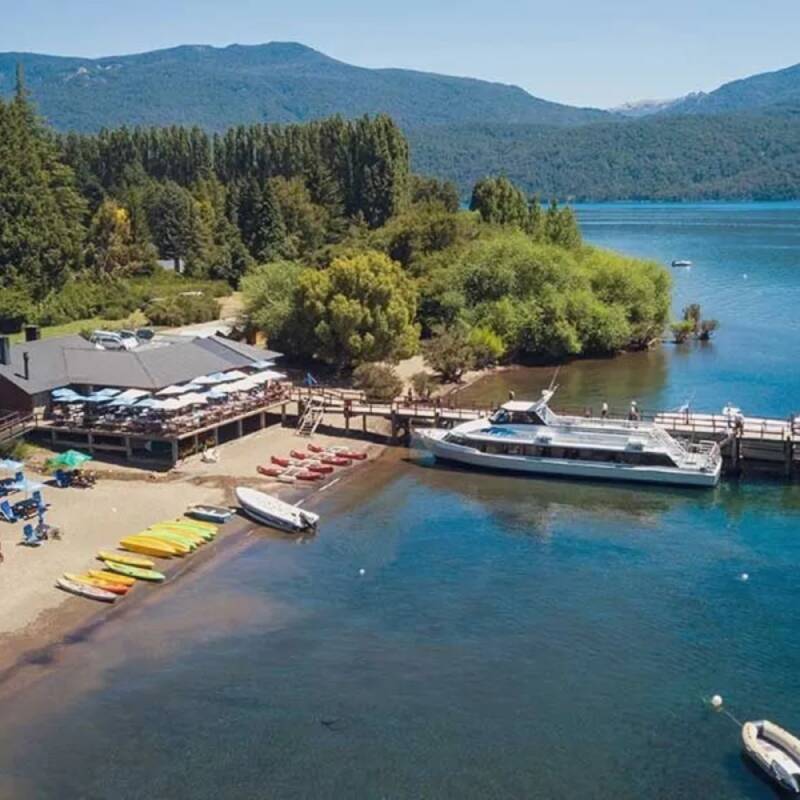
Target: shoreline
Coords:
[[35, 630]]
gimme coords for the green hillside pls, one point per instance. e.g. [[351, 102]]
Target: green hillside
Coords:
[[694, 157], [278, 82]]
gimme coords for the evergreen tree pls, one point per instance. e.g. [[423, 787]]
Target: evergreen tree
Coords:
[[260, 221], [497, 200], [170, 217], [41, 213]]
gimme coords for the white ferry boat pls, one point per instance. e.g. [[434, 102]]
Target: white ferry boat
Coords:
[[530, 438]]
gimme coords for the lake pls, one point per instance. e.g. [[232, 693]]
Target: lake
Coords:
[[508, 637]]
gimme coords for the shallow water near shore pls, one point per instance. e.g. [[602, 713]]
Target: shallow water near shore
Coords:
[[509, 637]]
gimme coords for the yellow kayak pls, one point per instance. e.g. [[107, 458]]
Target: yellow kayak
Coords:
[[121, 558], [180, 546], [164, 527], [111, 577], [175, 539], [207, 533], [147, 546], [198, 523]]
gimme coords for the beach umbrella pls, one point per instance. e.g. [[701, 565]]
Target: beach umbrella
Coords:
[[210, 380], [71, 459], [195, 399], [234, 375], [179, 389], [132, 394], [107, 393], [10, 465], [262, 364], [26, 486]]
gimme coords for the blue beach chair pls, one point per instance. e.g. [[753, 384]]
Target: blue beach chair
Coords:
[[62, 479], [39, 500], [29, 537], [6, 512]]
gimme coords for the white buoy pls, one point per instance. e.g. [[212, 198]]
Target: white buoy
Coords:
[[716, 701], [362, 571], [744, 576]]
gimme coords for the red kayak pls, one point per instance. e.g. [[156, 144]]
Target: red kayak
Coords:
[[280, 461], [336, 461], [315, 448], [351, 454], [307, 476], [322, 469], [298, 454], [270, 472]]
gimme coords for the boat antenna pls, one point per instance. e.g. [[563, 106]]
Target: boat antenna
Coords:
[[552, 387]]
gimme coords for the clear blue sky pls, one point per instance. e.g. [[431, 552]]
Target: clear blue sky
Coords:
[[586, 52]]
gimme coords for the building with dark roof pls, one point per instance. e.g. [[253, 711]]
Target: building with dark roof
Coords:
[[30, 371]]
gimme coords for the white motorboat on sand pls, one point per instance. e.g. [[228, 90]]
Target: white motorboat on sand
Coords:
[[275, 513]]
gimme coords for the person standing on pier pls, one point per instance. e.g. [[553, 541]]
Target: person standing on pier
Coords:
[[633, 414], [604, 410]]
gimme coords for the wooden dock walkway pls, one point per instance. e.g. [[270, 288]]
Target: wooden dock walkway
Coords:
[[757, 443]]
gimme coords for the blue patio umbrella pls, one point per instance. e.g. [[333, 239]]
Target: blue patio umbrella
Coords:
[[107, 392]]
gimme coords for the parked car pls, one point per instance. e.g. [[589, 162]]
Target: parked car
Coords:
[[113, 340]]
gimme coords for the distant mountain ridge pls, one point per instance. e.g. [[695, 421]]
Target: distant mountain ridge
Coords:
[[276, 82], [766, 91]]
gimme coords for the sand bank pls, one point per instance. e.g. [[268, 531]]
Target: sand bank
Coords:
[[125, 501]]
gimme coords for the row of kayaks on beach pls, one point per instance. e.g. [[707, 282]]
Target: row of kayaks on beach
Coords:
[[309, 466], [121, 570]]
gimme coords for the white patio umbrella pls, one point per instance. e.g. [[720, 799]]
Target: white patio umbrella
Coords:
[[178, 389]]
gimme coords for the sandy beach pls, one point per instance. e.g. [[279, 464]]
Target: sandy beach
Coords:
[[123, 502]]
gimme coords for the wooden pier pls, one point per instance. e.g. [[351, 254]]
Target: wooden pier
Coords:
[[754, 445]]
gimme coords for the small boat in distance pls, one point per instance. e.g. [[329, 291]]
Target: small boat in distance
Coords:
[[275, 513], [775, 750], [681, 263]]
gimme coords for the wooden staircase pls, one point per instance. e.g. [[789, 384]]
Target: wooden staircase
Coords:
[[312, 416]]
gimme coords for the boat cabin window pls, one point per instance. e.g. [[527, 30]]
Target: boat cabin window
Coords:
[[505, 417], [456, 438]]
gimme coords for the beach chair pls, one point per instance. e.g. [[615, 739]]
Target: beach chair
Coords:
[[62, 479], [6, 512], [39, 500], [29, 537]]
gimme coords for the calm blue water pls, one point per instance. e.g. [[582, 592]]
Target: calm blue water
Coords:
[[509, 638]]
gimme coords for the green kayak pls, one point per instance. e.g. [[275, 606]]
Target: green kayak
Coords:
[[187, 525], [173, 536], [140, 573]]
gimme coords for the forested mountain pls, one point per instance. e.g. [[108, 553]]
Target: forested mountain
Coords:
[[694, 157], [740, 141], [777, 91], [277, 82]]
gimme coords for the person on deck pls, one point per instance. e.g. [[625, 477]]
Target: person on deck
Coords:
[[633, 414], [604, 410]]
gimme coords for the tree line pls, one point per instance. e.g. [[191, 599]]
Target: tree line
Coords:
[[343, 254]]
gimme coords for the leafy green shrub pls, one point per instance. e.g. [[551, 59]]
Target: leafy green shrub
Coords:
[[16, 308], [379, 382], [182, 310], [682, 331], [487, 347], [449, 353], [423, 384]]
